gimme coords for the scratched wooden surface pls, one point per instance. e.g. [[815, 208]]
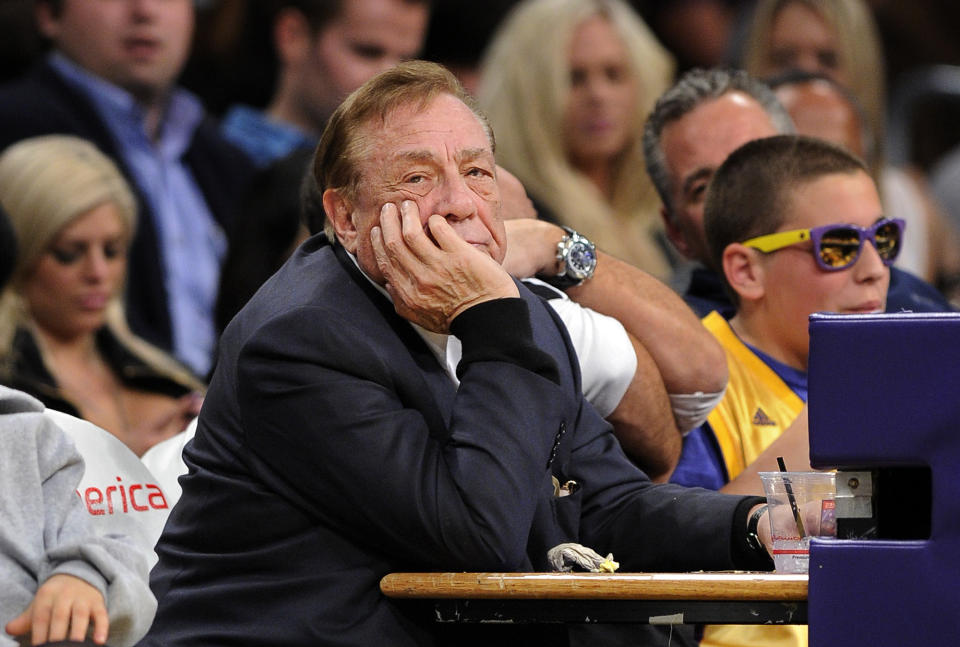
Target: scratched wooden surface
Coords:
[[737, 585]]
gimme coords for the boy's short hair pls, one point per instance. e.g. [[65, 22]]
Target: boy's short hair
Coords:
[[750, 192]]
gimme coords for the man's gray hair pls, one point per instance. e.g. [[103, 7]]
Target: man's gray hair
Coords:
[[694, 88]]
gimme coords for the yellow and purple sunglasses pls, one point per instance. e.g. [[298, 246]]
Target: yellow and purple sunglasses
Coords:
[[837, 247]]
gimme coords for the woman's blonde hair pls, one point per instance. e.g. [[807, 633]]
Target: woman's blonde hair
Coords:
[[858, 46], [524, 88], [45, 183]]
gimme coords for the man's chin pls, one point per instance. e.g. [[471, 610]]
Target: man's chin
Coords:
[[495, 252]]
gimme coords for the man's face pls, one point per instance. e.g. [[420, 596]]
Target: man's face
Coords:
[[795, 287], [439, 157], [370, 36], [818, 110], [694, 146], [138, 45]]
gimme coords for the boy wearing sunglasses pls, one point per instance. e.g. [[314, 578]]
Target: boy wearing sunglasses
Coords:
[[796, 227]]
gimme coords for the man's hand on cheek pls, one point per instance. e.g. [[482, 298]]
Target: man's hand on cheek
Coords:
[[433, 281]]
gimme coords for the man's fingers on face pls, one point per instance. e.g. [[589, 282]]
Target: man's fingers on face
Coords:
[[446, 238], [417, 236], [380, 250], [390, 235], [389, 221], [390, 266]]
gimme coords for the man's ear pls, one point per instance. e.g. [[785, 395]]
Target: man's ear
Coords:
[[743, 269], [340, 214], [292, 36], [47, 22], [674, 233]]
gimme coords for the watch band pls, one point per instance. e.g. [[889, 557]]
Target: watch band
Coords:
[[560, 281], [753, 538]]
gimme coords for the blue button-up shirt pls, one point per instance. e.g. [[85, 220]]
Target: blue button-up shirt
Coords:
[[192, 244], [263, 139]]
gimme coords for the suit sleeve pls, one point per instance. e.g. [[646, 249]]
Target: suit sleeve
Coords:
[[655, 527], [350, 438]]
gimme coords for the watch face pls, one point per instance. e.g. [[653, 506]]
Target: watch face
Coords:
[[582, 260]]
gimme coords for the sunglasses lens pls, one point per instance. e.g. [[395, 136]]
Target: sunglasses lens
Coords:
[[840, 247], [888, 240]]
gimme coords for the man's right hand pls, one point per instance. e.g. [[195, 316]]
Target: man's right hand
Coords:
[[433, 282]]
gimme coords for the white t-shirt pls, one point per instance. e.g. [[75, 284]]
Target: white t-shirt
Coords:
[[121, 495]]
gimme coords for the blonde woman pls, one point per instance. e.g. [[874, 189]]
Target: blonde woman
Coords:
[[63, 335], [567, 85], [836, 38]]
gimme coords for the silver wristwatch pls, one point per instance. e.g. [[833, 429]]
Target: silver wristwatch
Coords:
[[577, 258]]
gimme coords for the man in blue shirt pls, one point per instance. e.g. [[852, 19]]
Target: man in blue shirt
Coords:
[[111, 78]]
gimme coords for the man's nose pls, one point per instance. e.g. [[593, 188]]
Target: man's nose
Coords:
[[144, 8], [456, 200], [869, 267]]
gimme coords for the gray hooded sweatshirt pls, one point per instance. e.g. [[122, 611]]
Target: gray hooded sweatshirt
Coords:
[[45, 529]]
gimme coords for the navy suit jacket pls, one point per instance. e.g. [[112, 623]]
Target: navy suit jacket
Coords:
[[42, 103], [333, 449]]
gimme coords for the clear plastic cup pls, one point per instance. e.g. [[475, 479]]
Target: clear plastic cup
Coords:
[[812, 501]]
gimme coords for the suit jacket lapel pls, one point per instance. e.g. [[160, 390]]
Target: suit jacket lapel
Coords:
[[436, 382]]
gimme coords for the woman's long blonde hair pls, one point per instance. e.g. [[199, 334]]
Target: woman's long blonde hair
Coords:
[[524, 88], [45, 183], [858, 44]]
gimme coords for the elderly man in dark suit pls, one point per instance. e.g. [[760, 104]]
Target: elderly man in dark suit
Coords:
[[393, 400]]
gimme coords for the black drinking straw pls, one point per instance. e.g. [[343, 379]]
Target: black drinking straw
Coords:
[[793, 500]]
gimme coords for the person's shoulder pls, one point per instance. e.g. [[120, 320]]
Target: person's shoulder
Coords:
[[264, 140], [536, 294], [910, 293], [311, 279], [210, 144], [542, 289], [13, 401], [705, 293], [549, 328], [40, 103], [36, 80], [27, 429]]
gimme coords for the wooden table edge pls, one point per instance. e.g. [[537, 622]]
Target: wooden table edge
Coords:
[[713, 586]]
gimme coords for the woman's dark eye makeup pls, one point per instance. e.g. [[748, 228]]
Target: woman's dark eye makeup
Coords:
[[65, 256], [70, 255]]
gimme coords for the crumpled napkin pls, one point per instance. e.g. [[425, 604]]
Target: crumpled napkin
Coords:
[[567, 557]]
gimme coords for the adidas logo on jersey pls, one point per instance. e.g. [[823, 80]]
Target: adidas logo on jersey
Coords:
[[762, 419]]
